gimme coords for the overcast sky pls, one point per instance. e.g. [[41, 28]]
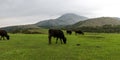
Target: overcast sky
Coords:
[[16, 12]]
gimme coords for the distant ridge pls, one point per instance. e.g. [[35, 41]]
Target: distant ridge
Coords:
[[98, 22], [68, 21], [20, 27]]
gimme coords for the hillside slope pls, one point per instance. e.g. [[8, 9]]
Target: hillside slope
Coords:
[[98, 22]]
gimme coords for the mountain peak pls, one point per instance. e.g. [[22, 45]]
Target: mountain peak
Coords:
[[65, 19], [69, 16]]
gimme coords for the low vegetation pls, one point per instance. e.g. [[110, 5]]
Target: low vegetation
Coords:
[[101, 29], [91, 46]]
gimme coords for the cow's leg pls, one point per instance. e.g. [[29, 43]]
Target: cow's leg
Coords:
[[82, 33], [56, 40], [61, 41], [0, 37], [3, 38], [49, 40], [75, 33]]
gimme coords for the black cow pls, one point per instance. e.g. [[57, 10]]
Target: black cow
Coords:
[[69, 32], [57, 34], [79, 32], [3, 34]]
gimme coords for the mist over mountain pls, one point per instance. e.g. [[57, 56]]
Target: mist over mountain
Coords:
[[66, 19]]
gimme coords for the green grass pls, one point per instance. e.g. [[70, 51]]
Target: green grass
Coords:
[[93, 46]]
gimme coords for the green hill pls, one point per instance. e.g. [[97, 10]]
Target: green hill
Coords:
[[102, 24], [98, 22], [27, 29]]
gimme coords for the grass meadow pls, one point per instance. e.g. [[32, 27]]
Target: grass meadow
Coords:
[[93, 46]]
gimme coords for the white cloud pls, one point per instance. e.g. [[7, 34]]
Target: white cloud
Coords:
[[10, 21], [10, 10]]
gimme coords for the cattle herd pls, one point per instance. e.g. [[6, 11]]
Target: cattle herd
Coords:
[[58, 34]]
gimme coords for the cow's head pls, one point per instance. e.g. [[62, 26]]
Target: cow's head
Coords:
[[64, 40], [8, 37]]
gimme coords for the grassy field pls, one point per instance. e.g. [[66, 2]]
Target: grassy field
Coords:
[[93, 46]]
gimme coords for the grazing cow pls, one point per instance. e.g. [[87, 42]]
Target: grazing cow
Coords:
[[69, 32], [3, 34], [57, 34], [79, 32]]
